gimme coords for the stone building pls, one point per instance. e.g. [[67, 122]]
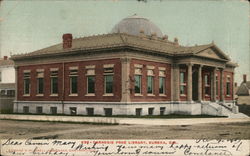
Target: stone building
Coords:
[[134, 70], [7, 85], [243, 92]]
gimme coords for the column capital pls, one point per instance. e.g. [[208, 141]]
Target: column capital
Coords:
[[125, 60], [189, 64]]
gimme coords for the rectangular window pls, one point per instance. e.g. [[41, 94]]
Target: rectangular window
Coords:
[[91, 84], [90, 73], [53, 110], [40, 81], [150, 82], [183, 83], [138, 84], [73, 110], [73, 80], [162, 110], [228, 86], [150, 111], [138, 111], [0, 76], [217, 84], [108, 78], [90, 111], [26, 83], [26, 109], [39, 110], [207, 84], [108, 111], [54, 82], [162, 85]]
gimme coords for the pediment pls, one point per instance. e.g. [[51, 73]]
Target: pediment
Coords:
[[212, 53]]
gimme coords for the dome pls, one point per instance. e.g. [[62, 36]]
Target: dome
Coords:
[[133, 25]]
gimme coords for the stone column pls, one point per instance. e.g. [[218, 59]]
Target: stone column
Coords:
[[233, 88], [190, 85], [176, 70], [214, 85], [15, 106], [200, 83], [222, 85], [125, 79]]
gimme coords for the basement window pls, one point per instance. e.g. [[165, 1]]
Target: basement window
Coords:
[[39, 110], [108, 111], [90, 111], [73, 110], [138, 111], [162, 110], [53, 110], [26, 109], [150, 111]]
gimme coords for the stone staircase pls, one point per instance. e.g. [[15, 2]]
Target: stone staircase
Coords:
[[221, 109]]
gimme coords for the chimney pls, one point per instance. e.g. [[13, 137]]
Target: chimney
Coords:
[[176, 41], [5, 57], [244, 78], [67, 41]]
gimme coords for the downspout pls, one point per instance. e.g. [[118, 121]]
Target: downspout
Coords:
[[63, 90]]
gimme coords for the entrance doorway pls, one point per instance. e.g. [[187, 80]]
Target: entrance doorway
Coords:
[[195, 84]]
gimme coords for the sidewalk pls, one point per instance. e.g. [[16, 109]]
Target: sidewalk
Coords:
[[129, 121]]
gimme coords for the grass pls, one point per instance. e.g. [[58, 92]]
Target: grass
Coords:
[[170, 116], [65, 122]]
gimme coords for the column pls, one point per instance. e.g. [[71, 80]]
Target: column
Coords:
[[213, 98], [15, 107], [125, 79], [176, 70], [222, 85], [190, 85], [200, 83]]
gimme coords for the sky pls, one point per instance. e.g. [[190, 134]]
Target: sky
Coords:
[[27, 25]]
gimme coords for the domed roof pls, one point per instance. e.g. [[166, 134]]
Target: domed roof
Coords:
[[133, 25]]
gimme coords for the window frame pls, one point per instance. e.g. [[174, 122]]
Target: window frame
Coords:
[[207, 84], [73, 75], [228, 86], [90, 72], [184, 83], [108, 71], [54, 75], [138, 73], [26, 77]]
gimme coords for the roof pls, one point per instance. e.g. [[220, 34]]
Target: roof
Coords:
[[119, 40], [244, 89], [6, 62], [134, 25]]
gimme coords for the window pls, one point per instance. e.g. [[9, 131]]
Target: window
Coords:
[[138, 77], [53, 110], [108, 78], [162, 81], [40, 81], [138, 84], [39, 110], [228, 86], [54, 81], [150, 82], [0, 76], [217, 84], [138, 111], [73, 110], [90, 111], [73, 80], [90, 79], [10, 92], [150, 111], [183, 83], [91, 84], [108, 111], [150, 79], [27, 83], [162, 110], [207, 84], [26, 109]]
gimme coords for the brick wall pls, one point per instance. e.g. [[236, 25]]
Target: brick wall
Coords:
[[144, 97], [82, 82]]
